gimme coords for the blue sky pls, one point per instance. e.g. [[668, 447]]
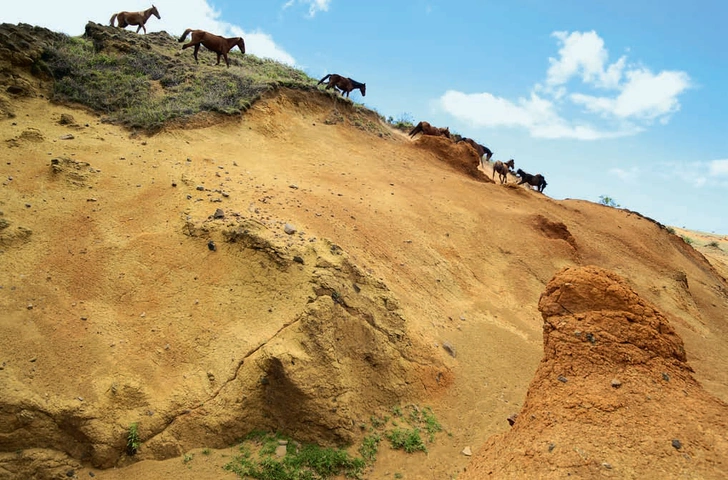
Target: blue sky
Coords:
[[619, 98]]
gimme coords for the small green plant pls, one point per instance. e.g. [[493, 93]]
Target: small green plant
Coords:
[[377, 422], [404, 122], [206, 451], [714, 244], [133, 442], [397, 475], [369, 447], [687, 239], [408, 440], [187, 458], [608, 201], [670, 230]]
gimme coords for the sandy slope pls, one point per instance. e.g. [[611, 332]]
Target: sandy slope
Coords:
[[110, 290]]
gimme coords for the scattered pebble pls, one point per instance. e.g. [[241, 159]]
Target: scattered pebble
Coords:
[[211, 245], [449, 348], [281, 451], [289, 229], [67, 136], [218, 213], [616, 383], [676, 444], [467, 451], [562, 379]]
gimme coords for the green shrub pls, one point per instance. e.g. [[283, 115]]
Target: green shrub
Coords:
[[133, 441]]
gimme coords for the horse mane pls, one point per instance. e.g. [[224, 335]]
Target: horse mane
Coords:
[[355, 83]]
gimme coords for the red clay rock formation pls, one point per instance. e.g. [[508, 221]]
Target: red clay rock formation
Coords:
[[613, 396]]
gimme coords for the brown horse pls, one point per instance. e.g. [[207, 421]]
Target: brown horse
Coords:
[[503, 168], [215, 43], [427, 129], [135, 18], [345, 84], [481, 149], [537, 180]]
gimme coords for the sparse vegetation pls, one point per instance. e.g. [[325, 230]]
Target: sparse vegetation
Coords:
[[608, 201], [145, 88], [369, 447], [714, 244], [404, 122], [687, 239], [258, 457], [301, 462], [408, 440], [670, 230], [133, 442]]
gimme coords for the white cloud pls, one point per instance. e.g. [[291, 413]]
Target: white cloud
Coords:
[[70, 17], [638, 96], [644, 95], [719, 168], [537, 114], [314, 6], [583, 54]]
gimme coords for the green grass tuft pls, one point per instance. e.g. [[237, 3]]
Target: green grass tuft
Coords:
[[144, 87]]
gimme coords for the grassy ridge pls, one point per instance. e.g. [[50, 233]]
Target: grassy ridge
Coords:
[[144, 82]]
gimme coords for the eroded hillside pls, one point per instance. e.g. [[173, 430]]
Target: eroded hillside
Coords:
[[299, 268]]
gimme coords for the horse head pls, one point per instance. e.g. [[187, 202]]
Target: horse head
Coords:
[[520, 172], [512, 164], [446, 132], [363, 89], [155, 12], [240, 44]]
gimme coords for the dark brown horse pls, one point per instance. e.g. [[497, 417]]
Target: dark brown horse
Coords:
[[481, 149], [215, 43], [426, 129], [502, 168], [345, 84], [537, 180], [135, 18]]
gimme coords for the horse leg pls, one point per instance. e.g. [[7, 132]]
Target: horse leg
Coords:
[[226, 59], [197, 49]]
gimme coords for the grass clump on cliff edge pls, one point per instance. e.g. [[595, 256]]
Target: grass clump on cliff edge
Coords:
[[143, 82]]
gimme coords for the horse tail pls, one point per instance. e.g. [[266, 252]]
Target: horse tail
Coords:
[[113, 17], [184, 35], [322, 80]]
